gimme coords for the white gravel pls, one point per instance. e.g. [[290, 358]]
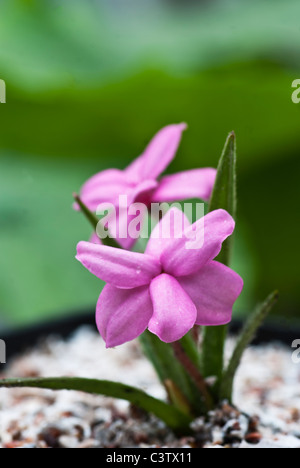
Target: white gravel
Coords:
[[267, 388]]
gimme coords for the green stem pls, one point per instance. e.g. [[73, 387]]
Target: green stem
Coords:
[[94, 221], [194, 373], [177, 398], [162, 356], [174, 418], [191, 349]]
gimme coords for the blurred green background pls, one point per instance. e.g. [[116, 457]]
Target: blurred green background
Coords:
[[88, 85]]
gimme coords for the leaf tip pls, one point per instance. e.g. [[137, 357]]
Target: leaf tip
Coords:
[[274, 296], [231, 140]]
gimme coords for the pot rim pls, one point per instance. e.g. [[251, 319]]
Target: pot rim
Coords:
[[20, 339]]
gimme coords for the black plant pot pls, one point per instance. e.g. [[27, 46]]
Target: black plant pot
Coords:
[[17, 341]]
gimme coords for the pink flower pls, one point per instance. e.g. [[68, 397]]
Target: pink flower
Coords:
[[168, 289], [140, 181]]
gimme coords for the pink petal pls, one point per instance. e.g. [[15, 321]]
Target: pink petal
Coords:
[[144, 191], [197, 183], [123, 315], [135, 170], [104, 178], [125, 217], [123, 220], [126, 244], [214, 290], [172, 226], [174, 312], [201, 243], [95, 239], [158, 155], [118, 267], [105, 187]]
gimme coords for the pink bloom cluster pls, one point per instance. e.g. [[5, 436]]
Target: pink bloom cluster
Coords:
[[141, 181], [168, 289]]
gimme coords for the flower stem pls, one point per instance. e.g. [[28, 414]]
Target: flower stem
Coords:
[[91, 217], [177, 398], [195, 333], [194, 373], [94, 221]]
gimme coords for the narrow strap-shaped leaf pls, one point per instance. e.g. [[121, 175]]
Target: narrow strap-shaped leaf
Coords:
[[94, 221], [223, 196], [246, 337], [174, 418], [214, 339]]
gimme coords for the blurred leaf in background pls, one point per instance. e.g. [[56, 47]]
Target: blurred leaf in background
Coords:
[[89, 83]]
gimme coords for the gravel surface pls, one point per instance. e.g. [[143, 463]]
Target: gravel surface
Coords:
[[267, 393]]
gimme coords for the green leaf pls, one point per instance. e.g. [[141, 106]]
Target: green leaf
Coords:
[[214, 339], [246, 337], [94, 221], [224, 193], [223, 196], [174, 418]]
